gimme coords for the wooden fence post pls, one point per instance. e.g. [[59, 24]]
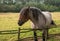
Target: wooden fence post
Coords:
[[18, 34]]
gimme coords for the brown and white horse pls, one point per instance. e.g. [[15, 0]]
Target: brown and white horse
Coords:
[[40, 20]]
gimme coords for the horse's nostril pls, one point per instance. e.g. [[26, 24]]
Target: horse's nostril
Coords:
[[20, 23]]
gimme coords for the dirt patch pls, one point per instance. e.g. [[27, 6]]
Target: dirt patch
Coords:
[[52, 37]]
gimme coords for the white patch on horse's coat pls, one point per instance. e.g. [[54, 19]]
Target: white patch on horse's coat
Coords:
[[40, 24], [48, 17]]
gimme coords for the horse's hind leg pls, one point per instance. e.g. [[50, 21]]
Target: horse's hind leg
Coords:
[[35, 36], [45, 34]]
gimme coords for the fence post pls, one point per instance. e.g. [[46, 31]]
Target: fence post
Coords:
[[18, 34]]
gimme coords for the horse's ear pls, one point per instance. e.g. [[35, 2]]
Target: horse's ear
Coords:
[[28, 8]]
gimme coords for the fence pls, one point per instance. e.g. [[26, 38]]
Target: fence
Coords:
[[18, 32], [35, 36]]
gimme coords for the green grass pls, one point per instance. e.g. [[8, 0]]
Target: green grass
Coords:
[[8, 21]]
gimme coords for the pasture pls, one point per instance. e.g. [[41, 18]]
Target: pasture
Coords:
[[8, 21]]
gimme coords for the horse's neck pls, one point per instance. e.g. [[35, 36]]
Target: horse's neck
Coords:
[[39, 21]]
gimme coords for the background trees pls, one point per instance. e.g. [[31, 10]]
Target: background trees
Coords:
[[16, 5]]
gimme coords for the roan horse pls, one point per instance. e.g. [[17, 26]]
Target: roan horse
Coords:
[[40, 20]]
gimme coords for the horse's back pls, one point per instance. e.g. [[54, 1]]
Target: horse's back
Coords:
[[48, 17]]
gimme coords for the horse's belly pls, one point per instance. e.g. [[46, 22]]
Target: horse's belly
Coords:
[[38, 25]]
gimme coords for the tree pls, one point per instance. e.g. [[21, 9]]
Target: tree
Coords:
[[52, 2]]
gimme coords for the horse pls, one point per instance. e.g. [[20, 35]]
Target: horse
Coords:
[[40, 20]]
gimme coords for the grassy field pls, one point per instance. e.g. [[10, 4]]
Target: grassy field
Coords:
[[8, 21]]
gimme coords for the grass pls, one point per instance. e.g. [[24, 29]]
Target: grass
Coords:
[[8, 21]]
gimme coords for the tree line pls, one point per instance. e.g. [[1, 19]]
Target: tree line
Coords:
[[16, 5]]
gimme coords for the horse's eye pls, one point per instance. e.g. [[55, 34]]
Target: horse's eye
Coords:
[[24, 13]]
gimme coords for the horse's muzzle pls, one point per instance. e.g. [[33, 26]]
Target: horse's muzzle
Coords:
[[20, 23]]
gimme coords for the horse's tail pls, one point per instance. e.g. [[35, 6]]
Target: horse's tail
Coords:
[[53, 23]]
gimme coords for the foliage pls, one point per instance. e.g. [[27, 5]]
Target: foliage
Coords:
[[53, 2], [16, 5]]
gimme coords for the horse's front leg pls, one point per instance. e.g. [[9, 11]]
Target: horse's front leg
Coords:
[[34, 32], [35, 35], [45, 34]]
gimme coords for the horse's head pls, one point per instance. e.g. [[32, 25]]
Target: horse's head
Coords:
[[24, 17]]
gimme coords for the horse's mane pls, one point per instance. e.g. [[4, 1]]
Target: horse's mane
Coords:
[[32, 8], [35, 11]]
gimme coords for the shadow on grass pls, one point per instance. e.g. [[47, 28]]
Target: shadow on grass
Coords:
[[52, 37]]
